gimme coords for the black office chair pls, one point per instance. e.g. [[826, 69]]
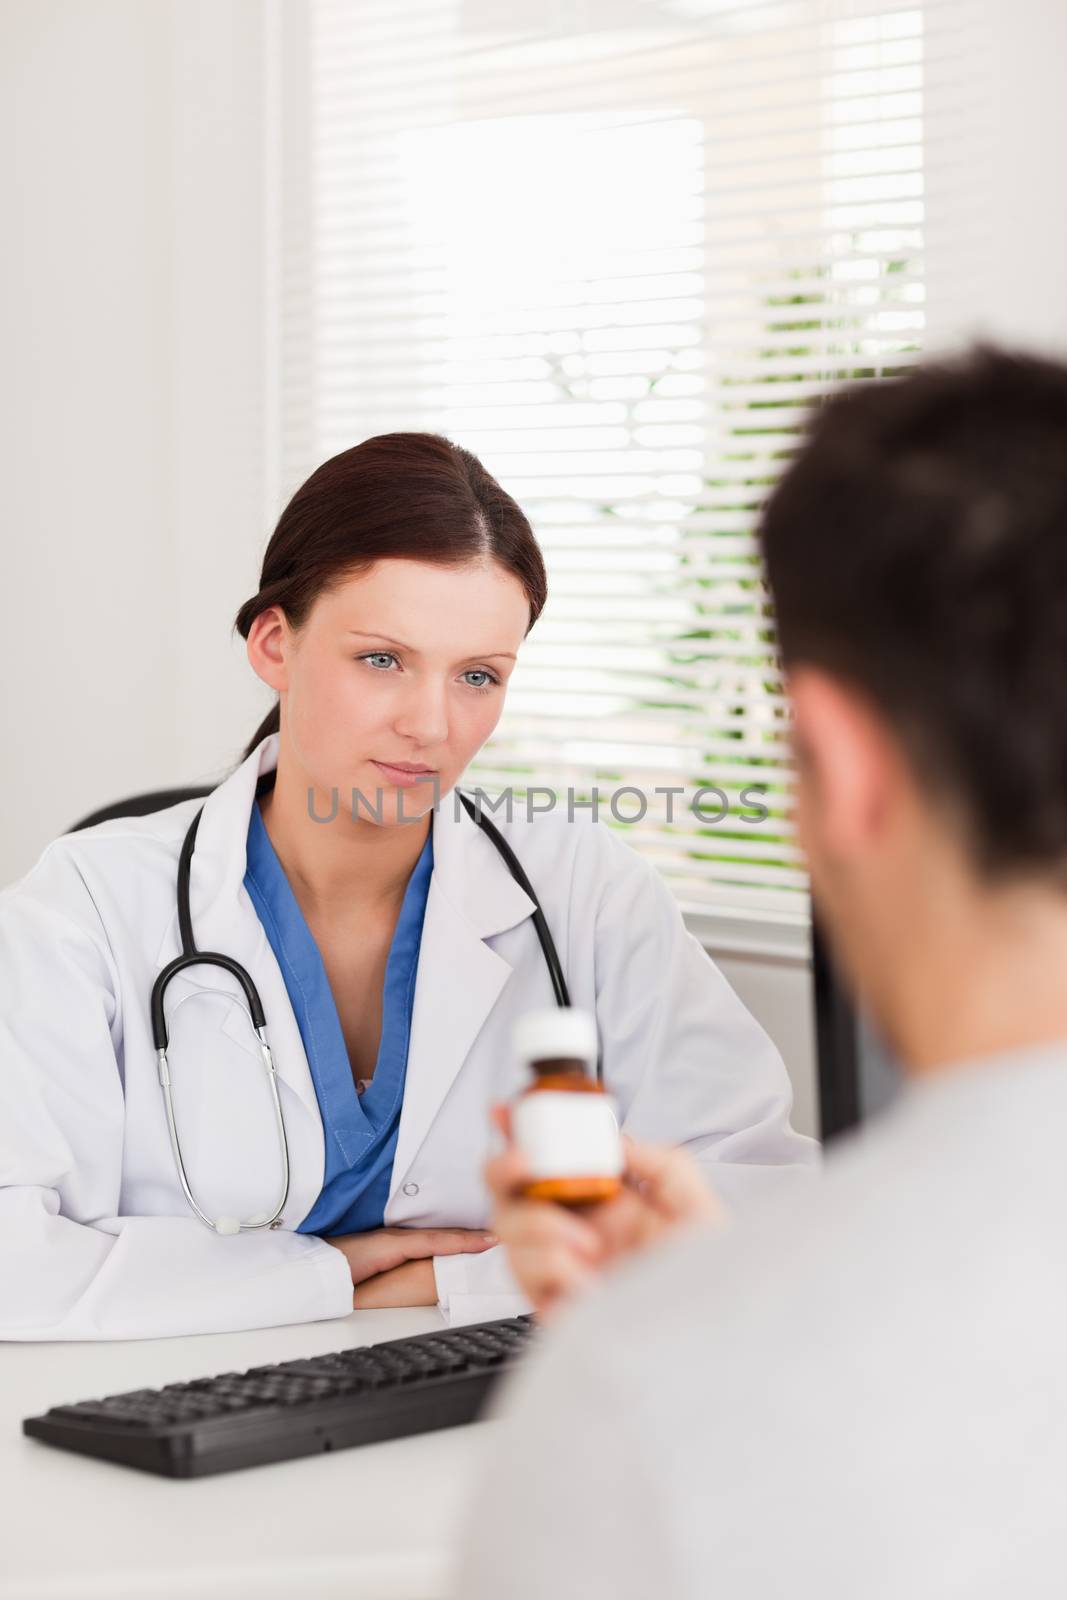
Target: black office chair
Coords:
[[837, 1040], [140, 805]]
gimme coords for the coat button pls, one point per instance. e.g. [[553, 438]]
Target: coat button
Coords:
[[411, 1188]]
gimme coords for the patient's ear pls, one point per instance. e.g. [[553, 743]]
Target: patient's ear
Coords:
[[848, 766]]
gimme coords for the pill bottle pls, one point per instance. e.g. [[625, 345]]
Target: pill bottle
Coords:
[[563, 1121]]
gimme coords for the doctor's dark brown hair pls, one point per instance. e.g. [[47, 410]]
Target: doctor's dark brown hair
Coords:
[[413, 496], [917, 550]]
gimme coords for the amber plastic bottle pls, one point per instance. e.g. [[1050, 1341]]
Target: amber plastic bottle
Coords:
[[564, 1121]]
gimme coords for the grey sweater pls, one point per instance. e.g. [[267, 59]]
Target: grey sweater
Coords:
[[860, 1391]]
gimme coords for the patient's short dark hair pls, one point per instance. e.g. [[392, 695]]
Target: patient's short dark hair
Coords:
[[917, 548]]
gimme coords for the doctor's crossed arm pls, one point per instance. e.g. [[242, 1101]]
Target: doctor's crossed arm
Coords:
[[394, 1266]]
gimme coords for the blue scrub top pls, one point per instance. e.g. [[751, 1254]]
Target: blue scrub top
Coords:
[[360, 1129]]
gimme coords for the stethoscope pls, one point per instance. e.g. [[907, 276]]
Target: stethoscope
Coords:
[[191, 956]]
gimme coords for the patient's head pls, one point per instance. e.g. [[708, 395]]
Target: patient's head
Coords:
[[917, 555]]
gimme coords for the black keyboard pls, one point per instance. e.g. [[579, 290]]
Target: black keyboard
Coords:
[[295, 1408]]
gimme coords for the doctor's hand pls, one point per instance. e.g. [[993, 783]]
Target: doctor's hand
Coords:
[[394, 1266], [554, 1250]]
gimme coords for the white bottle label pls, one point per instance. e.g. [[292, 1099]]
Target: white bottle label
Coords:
[[567, 1134]]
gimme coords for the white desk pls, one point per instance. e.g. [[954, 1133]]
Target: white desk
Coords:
[[375, 1521]]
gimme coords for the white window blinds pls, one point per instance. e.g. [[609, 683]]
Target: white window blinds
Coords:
[[614, 247]]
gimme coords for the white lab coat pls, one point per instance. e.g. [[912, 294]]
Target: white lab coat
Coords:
[[96, 1239]]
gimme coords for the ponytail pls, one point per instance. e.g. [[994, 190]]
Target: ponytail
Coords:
[[271, 724]]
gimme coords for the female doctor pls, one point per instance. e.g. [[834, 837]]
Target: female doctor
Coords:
[[389, 944]]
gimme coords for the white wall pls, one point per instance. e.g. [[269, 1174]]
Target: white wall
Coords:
[[996, 221], [132, 507]]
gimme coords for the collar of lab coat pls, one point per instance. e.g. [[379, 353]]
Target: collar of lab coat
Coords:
[[472, 896]]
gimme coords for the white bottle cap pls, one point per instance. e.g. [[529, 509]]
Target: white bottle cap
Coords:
[[563, 1033]]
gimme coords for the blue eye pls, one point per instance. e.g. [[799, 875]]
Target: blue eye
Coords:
[[488, 681], [480, 679]]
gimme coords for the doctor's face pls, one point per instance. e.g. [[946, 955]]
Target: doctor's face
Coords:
[[395, 681]]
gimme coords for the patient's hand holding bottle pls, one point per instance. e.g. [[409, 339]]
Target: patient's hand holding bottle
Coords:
[[610, 1195]]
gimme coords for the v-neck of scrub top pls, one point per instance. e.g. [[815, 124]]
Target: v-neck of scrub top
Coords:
[[360, 1129]]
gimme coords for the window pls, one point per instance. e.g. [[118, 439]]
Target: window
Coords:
[[615, 248]]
